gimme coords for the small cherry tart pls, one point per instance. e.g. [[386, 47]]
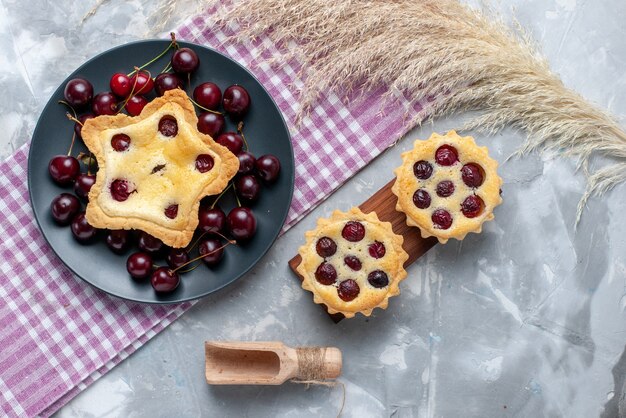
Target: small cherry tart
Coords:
[[352, 262], [447, 186]]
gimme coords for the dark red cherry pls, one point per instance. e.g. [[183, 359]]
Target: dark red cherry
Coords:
[[246, 162], [423, 170], [241, 223], [139, 265], [208, 95], [78, 127], [472, 174], [84, 182], [236, 101], [120, 142], [472, 206], [446, 155], [150, 244], [78, 92], [177, 257], [185, 60], [353, 231], [210, 123], [204, 162], [377, 249], [325, 247], [442, 219], [211, 220], [64, 207], [353, 262], [421, 199], [82, 231], [104, 104], [445, 188], [120, 85], [211, 250], [168, 126], [135, 105], [268, 167], [164, 280], [121, 190], [326, 274], [378, 279], [348, 290], [63, 169], [141, 83], [248, 188], [118, 241], [231, 140], [171, 211], [167, 81]]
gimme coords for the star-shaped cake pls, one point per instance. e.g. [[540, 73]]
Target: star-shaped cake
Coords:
[[154, 169]]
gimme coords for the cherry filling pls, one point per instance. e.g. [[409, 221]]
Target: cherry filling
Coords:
[[348, 290], [378, 279], [377, 249], [446, 155], [326, 274], [325, 247], [421, 199], [445, 188], [423, 170], [442, 219], [353, 262], [171, 211], [353, 231], [120, 142], [204, 162], [121, 189], [168, 126], [472, 174], [472, 206]]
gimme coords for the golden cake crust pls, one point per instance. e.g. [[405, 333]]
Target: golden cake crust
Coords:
[[407, 184], [369, 297], [161, 168]]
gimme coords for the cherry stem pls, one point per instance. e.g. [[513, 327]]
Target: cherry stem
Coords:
[[230, 241], [132, 90], [204, 108], [174, 43], [69, 152], [73, 118], [167, 67], [220, 195], [240, 130], [171, 44], [70, 107], [236, 197], [192, 246]]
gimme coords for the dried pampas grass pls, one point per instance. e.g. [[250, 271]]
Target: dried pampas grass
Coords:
[[439, 47]]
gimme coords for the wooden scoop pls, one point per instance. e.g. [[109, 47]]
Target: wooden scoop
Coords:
[[268, 363]]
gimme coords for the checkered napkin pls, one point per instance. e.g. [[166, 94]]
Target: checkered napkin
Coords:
[[58, 334]]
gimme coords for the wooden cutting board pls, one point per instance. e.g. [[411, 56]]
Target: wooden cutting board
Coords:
[[383, 202]]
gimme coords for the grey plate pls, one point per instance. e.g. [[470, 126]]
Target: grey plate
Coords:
[[265, 130]]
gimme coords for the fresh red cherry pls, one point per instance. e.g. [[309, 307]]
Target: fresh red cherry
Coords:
[[378, 279], [353, 262], [63, 169], [208, 95], [177, 257], [82, 231], [78, 92], [120, 85], [168, 126], [423, 170], [117, 240], [210, 123], [421, 199], [78, 127], [268, 167], [171, 211], [353, 231], [472, 206], [84, 182], [135, 105], [325, 247], [442, 219], [139, 265], [377, 249], [164, 280], [141, 83], [446, 155], [167, 81], [241, 223], [246, 162], [211, 220], [185, 61], [121, 190], [326, 274], [64, 207], [348, 290], [248, 188], [204, 163], [150, 244], [104, 104], [211, 250], [120, 142], [236, 101], [231, 140], [472, 174], [445, 188]]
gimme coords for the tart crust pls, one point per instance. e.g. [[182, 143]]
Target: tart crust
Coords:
[[468, 152], [161, 168], [369, 297]]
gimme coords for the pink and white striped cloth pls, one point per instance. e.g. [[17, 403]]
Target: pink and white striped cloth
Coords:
[[58, 334]]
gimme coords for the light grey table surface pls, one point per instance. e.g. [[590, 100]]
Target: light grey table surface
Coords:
[[525, 319]]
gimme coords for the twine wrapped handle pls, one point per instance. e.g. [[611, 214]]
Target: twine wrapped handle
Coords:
[[317, 364]]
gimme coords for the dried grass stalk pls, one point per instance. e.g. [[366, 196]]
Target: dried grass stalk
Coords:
[[431, 47]]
